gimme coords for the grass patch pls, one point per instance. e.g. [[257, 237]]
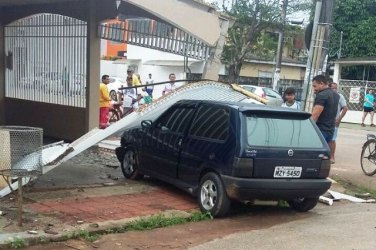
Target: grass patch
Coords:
[[142, 224], [16, 243], [352, 189], [283, 203]]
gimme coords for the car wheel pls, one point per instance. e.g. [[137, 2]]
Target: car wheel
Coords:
[[129, 165], [212, 195], [303, 204], [113, 95]]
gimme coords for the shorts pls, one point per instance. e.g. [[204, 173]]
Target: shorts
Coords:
[[327, 136], [367, 109], [334, 137]]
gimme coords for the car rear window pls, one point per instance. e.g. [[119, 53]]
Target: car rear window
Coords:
[[281, 132]]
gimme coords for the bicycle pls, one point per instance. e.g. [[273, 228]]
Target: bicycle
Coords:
[[368, 156]]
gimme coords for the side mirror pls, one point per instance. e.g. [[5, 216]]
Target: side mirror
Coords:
[[146, 124]]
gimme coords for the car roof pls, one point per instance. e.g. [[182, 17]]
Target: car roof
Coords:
[[244, 107]]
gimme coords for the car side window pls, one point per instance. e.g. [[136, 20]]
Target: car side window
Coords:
[[175, 120], [272, 93], [211, 123]]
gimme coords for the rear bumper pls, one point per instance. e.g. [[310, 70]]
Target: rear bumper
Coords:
[[273, 189]]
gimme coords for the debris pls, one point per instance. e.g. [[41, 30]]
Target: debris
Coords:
[[363, 195], [326, 200], [340, 196], [2, 213], [108, 184], [118, 244], [96, 225], [32, 232], [80, 222]]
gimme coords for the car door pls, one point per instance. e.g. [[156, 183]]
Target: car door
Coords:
[[161, 145], [210, 140]]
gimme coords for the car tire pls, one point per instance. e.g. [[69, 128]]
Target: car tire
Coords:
[[303, 204], [212, 196], [113, 95], [129, 165]]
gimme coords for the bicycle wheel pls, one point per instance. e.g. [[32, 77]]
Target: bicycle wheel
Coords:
[[114, 116], [368, 157]]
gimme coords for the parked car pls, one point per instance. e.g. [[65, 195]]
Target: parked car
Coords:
[[230, 151], [273, 97], [114, 85]]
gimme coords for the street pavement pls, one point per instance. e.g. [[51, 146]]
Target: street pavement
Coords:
[[91, 194]]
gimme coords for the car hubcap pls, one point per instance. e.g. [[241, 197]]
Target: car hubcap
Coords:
[[208, 194], [129, 162]]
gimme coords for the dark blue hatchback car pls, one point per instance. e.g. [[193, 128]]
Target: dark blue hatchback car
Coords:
[[231, 151]]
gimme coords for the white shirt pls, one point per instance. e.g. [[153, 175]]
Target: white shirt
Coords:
[[169, 87], [296, 105], [128, 96]]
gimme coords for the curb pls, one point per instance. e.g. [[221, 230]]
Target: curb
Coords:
[[93, 227]]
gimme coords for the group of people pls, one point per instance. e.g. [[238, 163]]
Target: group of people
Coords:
[[130, 98], [328, 110]]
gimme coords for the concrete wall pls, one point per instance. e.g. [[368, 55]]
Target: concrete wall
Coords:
[[251, 69], [56, 120]]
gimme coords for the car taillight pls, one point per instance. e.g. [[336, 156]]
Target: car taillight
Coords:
[[242, 167], [325, 168]]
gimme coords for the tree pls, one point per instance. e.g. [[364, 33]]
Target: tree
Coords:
[[357, 19], [254, 19]]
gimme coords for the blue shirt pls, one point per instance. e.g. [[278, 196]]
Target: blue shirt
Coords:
[[371, 99]]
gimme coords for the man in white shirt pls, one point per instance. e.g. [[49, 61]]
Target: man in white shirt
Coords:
[[169, 87], [341, 111], [129, 98]]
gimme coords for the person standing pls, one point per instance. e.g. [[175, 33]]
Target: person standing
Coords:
[[169, 87], [368, 107], [341, 112], [104, 102], [129, 97], [289, 97], [149, 89], [134, 77], [325, 107]]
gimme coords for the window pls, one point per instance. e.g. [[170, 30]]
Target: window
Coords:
[[211, 123], [281, 132], [175, 120], [271, 93]]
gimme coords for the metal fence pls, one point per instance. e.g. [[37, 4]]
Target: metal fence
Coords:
[[354, 92], [46, 59], [155, 35]]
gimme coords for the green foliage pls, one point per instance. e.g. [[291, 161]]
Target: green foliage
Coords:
[[357, 19], [83, 234], [17, 243]]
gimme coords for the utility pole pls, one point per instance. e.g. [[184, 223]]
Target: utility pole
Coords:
[[277, 72]]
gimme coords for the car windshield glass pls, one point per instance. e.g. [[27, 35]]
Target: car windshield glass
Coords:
[[279, 132], [271, 93]]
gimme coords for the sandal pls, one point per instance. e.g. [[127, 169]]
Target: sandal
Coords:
[[372, 125], [363, 125]]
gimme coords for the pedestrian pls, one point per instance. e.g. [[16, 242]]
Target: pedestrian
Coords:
[[368, 107], [169, 87], [325, 107], [134, 77], [129, 98], [149, 89], [289, 97], [341, 112], [104, 102]]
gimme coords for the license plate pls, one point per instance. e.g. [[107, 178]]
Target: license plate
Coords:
[[287, 172]]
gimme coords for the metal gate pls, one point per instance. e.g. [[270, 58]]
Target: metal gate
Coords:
[[46, 60], [354, 92]]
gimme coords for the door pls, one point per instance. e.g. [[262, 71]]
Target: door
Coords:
[[210, 140], [162, 144]]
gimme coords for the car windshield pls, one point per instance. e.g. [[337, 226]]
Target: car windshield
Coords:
[[271, 93], [281, 132]]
